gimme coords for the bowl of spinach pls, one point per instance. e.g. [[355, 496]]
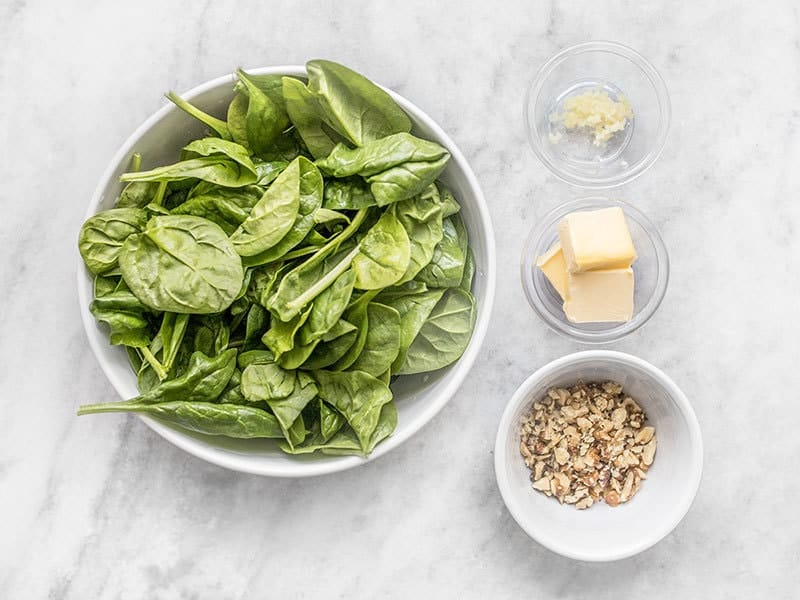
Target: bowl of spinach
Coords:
[[286, 271]]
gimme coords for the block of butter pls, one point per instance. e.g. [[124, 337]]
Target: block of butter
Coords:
[[596, 239], [554, 267], [604, 296]]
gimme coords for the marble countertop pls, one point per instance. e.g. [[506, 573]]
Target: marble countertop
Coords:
[[107, 509]]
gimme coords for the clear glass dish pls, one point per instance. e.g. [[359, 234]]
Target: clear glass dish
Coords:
[[618, 71], [650, 270]]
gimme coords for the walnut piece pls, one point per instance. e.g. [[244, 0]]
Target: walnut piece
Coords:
[[586, 444]]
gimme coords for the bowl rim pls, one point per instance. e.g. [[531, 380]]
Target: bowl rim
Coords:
[[327, 464], [574, 331], [664, 103], [692, 481]]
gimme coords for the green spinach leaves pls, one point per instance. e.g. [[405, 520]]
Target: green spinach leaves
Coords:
[[274, 280]]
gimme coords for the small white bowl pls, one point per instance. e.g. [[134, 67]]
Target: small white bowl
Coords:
[[159, 140], [602, 533]]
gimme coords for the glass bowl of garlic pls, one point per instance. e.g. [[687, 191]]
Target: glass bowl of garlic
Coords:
[[597, 114]]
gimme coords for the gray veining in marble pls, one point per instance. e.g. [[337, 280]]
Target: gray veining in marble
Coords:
[[104, 508]]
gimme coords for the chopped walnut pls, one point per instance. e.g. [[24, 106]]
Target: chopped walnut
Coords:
[[587, 444]]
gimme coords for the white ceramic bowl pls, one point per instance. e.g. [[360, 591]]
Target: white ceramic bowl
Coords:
[[159, 140], [602, 533]]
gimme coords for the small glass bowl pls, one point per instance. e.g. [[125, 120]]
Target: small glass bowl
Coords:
[[618, 71], [650, 270]]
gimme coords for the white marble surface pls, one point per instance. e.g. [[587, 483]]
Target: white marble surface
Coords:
[[104, 508]]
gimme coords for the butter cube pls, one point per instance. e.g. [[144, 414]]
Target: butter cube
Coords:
[[604, 296], [596, 239], [554, 267]]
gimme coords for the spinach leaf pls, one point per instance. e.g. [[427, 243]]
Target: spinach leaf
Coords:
[[267, 171], [358, 396], [173, 328], [422, 220], [207, 147], [102, 236], [344, 440], [309, 279], [237, 120], [218, 206], [382, 341], [327, 308], [277, 211], [280, 337], [323, 314], [215, 169], [215, 160], [182, 264], [469, 271], [414, 310], [230, 420], [356, 315], [446, 268], [330, 218], [308, 188], [137, 194], [449, 204], [127, 328], [351, 193], [211, 335], [119, 298], [253, 357], [232, 394], [444, 335], [267, 381], [204, 380], [352, 105], [330, 420], [256, 325], [305, 114], [266, 116], [333, 346], [383, 254], [396, 167], [286, 392]]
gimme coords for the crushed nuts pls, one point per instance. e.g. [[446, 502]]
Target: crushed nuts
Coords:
[[586, 444]]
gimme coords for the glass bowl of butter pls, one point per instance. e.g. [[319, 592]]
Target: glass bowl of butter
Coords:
[[597, 114], [595, 269]]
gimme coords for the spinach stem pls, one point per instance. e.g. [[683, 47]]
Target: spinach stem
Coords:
[[219, 126], [159, 197], [136, 162], [162, 374]]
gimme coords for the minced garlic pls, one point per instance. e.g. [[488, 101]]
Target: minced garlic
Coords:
[[596, 110]]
